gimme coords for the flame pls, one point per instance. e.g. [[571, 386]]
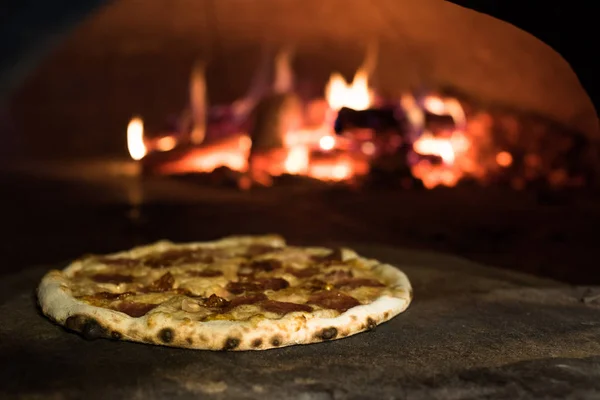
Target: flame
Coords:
[[446, 106], [449, 150], [230, 152], [504, 159], [297, 160], [356, 95], [446, 148], [327, 143], [368, 148], [135, 139], [166, 143]]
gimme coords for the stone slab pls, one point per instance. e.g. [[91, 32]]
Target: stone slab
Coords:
[[471, 332]]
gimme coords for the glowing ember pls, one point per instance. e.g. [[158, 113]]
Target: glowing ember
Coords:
[[445, 148], [297, 160], [166, 143], [446, 106], [135, 139], [356, 95], [368, 148], [231, 153], [504, 159], [327, 143]]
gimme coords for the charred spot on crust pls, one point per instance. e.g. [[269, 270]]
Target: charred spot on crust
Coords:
[[88, 327], [166, 335], [386, 314], [371, 324], [231, 343], [276, 341], [328, 333], [115, 335], [189, 340], [257, 343]]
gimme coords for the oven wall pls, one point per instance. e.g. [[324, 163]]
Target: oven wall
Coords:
[[133, 57]]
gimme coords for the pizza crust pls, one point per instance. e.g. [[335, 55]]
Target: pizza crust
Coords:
[[258, 333]]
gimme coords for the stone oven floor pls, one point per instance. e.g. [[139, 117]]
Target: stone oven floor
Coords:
[[551, 235], [473, 331]]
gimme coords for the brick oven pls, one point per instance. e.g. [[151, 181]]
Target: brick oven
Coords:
[[417, 131]]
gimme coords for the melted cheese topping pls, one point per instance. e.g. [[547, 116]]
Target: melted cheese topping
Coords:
[[236, 282]]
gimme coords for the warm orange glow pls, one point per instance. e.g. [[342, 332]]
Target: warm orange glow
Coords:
[[297, 160], [504, 159], [446, 148], [166, 143], [356, 95], [231, 153], [306, 137], [331, 171], [368, 148], [446, 106], [452, 151], [327, 143], [135, 139]]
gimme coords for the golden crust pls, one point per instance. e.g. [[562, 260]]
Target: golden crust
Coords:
[[171, 325]]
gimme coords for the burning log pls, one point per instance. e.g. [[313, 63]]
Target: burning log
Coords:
[[376, 119]]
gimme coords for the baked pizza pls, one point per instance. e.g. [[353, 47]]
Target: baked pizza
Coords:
[[237, 293]]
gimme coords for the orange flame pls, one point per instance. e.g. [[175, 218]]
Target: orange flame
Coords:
[[297, 160], [135, 139], [504, 159], [327, 143], [356, 95], [166, 143], [446, 148]]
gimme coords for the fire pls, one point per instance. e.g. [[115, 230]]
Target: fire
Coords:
[[166, 143], [356, 95], [327, 143], [445, 148], [450, 150], [446, 106], [504, 159], [230, 152], [297, 160], [135, 139]]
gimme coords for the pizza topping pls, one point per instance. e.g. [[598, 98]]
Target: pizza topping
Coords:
[[334, 300], [112, 278], [357, 282], [109, 296], [207, 273], [317, 284], [339, 274], [119, 262], [260, 249], [190, 305], [267, 265], [162, 284], [303, 273], [282, 307], [273, 283], [184, 256], [243, 300], [241, 287], [257, 285], [215, 301], [135, 310], [335, 255]]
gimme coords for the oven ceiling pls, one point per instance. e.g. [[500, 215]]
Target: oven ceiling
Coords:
[[133, 56]]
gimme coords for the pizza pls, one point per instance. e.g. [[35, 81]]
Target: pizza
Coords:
[[236, 293]]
